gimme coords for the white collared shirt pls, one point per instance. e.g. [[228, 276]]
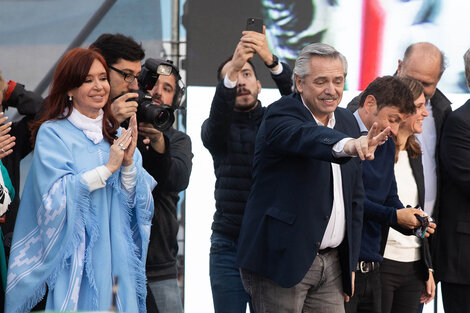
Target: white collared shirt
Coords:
[[336, 227], [428, 148]]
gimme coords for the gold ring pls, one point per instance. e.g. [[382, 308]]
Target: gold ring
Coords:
[[3, 151]]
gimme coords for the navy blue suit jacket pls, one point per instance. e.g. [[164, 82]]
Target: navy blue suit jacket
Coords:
[[291, 196], [453, 224]]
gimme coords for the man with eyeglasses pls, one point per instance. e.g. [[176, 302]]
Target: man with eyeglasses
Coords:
[[166, 156], [123, 56]]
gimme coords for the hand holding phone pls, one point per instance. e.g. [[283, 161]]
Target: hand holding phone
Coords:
[[424, 219], [254, 24]]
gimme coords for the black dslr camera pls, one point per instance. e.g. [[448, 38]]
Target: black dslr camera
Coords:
[[160, 116]]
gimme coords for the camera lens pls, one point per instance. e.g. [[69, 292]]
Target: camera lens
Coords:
[[161, 118]]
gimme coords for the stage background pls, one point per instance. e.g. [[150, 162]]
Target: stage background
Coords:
[[371, 34]]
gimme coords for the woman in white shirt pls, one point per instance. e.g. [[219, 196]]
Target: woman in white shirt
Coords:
[[406, 271]]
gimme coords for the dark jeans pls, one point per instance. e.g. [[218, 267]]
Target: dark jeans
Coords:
[[321, 290], [228, 293], [402, 285], [367, 293], [455, 297]]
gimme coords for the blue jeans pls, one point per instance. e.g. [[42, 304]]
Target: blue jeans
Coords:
[[321, 289], [228, 293], [167, 295]]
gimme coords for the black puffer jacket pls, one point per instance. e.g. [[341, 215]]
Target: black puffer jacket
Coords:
[[230, 138]]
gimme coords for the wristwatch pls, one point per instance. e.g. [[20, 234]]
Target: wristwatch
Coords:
[[275, 62]]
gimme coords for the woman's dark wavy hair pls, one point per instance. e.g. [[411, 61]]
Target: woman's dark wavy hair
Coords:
[[71, 73], [412, 145]]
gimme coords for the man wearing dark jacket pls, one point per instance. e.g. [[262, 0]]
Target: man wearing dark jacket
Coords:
[[229, 134], [14, 149], [166, 156], [453, 236], [300, 236], [386, 101], [28, 104], [426, 63]]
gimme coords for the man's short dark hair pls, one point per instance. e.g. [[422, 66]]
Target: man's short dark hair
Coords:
[[221, 66], [117, 46], [390, 91]]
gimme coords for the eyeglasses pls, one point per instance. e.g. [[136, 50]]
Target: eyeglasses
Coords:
[[127, 77]]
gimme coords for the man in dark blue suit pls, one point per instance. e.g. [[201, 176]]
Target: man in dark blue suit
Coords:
[[386, 102], [453, 237], [300, 236]]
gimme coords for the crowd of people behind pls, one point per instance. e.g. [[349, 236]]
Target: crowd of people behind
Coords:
[[319, 208]]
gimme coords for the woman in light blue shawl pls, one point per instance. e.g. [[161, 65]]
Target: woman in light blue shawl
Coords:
[[86, 209]]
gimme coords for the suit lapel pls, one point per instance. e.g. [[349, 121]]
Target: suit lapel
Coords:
[[339, 123], [306, 112], [417, 169]]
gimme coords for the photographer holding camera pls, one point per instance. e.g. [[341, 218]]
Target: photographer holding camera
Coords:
[[166, 152]]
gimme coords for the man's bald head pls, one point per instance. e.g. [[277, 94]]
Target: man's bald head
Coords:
[[424, 62]]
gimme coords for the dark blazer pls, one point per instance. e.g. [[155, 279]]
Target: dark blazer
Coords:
[[291, 197], [453, 231]]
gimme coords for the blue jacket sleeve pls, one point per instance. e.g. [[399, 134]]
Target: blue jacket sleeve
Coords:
[[382, 214], [290, 130]]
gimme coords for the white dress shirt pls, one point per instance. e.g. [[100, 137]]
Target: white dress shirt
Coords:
[[336, 227], [427, 140]]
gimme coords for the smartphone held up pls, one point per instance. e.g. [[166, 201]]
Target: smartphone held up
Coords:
[[254, 24]]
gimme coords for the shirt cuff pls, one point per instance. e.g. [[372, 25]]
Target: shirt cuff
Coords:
[[97, 177], [228, 83], [278, 71], [129, 177], [338, 149]]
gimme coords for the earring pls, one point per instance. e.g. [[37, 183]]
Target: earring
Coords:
[[70, 98]]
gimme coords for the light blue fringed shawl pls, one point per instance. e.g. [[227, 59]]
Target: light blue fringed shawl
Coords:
[[73, 240]]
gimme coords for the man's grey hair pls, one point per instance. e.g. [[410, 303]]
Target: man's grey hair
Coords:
[[302, 64], [466, 60]]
